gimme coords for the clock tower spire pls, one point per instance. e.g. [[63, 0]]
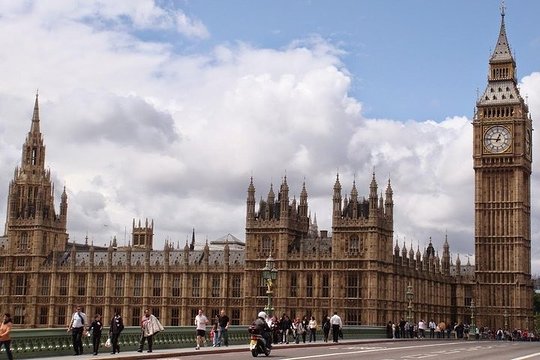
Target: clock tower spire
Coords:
[[502, 157]]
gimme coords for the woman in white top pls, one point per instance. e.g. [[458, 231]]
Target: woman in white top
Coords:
[[312, 328]]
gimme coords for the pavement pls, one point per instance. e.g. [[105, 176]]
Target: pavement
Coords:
[[208, 350]]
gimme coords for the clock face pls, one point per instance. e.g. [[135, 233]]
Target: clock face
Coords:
[[497, 139]]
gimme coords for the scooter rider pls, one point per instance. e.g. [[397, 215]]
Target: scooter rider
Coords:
[[263, 329]]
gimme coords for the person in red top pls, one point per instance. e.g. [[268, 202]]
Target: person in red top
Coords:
[[5, 338]]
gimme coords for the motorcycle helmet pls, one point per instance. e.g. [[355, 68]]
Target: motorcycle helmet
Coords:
[[262, 314]]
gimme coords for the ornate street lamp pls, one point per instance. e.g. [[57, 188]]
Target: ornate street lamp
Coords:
[[269, 274], [409, 294], [473, 326]]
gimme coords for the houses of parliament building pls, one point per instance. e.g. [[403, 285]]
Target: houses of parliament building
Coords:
[[357, 270]]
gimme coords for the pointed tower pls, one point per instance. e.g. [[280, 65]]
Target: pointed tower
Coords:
[[336, 213], [303, 208], [446, 257], [502, 164], [34, 230], [33, 227], [250, 202]]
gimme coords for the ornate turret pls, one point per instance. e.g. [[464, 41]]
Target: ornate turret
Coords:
[[389, 202], [354, 201], [284, 199], [337, 199], [303, 208], [373, 198], [192, 244], [446, 257], [250, 215]]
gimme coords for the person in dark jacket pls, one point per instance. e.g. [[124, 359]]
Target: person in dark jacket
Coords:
[[95, 329], [326, 327], [117, 325], [262, 328]]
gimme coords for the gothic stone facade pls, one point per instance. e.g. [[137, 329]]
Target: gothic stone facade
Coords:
[[357, 271]]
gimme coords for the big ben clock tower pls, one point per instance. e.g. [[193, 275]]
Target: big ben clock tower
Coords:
[[502, 163]]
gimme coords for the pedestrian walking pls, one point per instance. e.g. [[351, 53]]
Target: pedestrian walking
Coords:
[[150, 326], [116, 327], [5, 337], [337, 325], [224, 323], [95, 329], [77, 326], [200, 324]]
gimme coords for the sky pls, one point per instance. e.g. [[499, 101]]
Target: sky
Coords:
[[165, 109]]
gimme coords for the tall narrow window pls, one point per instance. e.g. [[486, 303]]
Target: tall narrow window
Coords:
[[61, 315], [194, 312], [175, 316], [216, 285], [325, 285], [196, 287], [156, 288], [235, 317], [267, 245], [352, 286], [309, 285], [176, 285], [137, 285], [63, 284], [23, 242], [294, 285], [262, 287], [44, 243], [100, 284], [34, 156], [81, 284], [118, 285], [43, 315], [21, 284], [44, 285], [18, 317], [236, 286], [136, 317]]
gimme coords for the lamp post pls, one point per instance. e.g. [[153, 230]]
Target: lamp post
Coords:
[[473, 326], [409, 294], [269, 274]]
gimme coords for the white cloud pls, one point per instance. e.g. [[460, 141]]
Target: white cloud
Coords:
[[135, 130]]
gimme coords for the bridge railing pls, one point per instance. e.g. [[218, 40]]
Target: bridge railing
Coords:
[[33, 343]]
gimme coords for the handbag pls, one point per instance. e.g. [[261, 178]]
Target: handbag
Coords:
[[108, 342]]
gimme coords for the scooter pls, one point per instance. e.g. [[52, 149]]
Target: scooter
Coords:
[[257, 345]]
